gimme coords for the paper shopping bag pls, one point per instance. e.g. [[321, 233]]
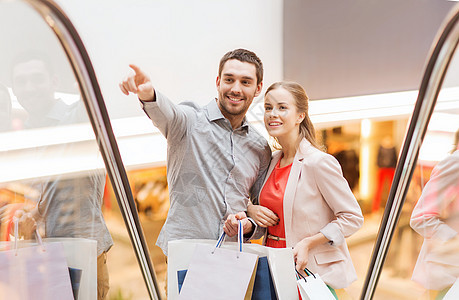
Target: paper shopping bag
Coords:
[[216, 273], [280, 260], [282, 267], [75, 278], [81, 254], [35, 272], [263, 288], [312, 287], [453, 292], [181, 274], [249, 292]]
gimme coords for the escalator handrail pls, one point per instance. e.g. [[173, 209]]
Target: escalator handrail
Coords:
[[92, 97], [443, 50]]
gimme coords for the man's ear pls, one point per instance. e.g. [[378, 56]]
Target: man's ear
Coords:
[[217, 82], [259, 88]]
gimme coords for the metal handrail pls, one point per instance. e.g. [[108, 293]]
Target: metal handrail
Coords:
[[82, 67], [441, 54]]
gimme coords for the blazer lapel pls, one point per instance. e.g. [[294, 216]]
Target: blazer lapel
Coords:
[[289, 195], [292, 183]]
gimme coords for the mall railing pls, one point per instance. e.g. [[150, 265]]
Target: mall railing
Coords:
[[78, 57], [440, 57]]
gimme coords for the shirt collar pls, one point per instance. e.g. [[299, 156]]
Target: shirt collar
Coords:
[[214, 113], [56, 114], [58, 111]]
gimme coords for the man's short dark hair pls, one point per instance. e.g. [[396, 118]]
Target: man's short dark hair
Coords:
[[243, 55]]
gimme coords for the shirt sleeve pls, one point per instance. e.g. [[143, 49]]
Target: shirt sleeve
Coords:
[[171, 119], [264, 165], [435, 204], [259, 232], [339, 197]]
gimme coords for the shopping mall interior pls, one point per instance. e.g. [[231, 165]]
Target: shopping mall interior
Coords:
[[367, 67]]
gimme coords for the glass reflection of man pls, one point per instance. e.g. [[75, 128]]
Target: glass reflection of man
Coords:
[[34, 85], [5, 109], [436, 218], [68, 206]]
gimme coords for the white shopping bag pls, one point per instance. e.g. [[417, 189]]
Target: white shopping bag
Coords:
[[280, 260], [34, 272], [215, 273], [81, 254], [312, 287], [219, 274], [282, 266], [453, 292]]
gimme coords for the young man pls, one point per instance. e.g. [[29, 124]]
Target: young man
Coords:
[[216, 161]]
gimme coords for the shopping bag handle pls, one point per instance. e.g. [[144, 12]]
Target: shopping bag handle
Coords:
[[222, 237], [220, 241], [307, 271], [16, 236]]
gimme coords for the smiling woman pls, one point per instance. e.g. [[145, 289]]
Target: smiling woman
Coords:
[[288, 102], [302, 179]]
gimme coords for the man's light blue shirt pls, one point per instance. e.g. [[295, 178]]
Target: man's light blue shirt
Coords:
[[212, 170]]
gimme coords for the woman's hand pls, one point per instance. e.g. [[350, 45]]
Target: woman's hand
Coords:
[[301, 254], [263, 216], [302, 248]]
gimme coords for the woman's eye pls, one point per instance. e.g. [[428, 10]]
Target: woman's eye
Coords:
[[268, 108]]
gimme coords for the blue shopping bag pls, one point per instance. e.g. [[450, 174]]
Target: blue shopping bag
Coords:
[[263, 288], [75, 278], [180, 278]]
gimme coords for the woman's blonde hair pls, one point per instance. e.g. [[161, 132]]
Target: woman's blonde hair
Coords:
[[307, 130]]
